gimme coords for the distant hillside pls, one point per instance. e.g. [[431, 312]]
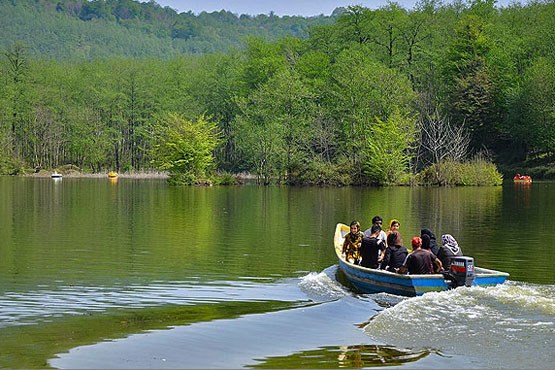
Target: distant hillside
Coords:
[[76, 29]]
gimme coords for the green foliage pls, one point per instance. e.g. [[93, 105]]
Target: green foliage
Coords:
[[10, 166], [364, 90], [323, 173], [184, 148], [390, 149], [226, 178], [533, 118], [85, 30], [272, 127], [476, 172], [334, 108], [472, 90]]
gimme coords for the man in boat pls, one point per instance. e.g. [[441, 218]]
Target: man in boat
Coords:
[[351, 245], [372, 248], [420, 261], [377, 220]]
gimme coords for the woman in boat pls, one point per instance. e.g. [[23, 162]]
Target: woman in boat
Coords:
[[449, 249], [393, 226], [427, 247], [395, 253], [434, 248], [351, 245]]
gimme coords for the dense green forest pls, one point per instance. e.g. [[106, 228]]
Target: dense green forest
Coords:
[[85, 30], [374, 97]]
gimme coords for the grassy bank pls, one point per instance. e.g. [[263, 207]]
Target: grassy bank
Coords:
[[476, 172]]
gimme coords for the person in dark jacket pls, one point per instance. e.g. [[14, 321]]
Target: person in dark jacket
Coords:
[[395, 253], [434, 248], [449, 249], [372, 248], [420, 261], [426, 246]]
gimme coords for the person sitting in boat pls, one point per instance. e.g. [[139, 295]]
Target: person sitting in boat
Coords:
[[420, 261], [395, 253], [372, 248], [415, 243], [426, 246], [393, 226], [351, 245], [432, 241], [449, 249], [377, 220]]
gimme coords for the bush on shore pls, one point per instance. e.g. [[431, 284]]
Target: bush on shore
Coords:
[[476, 172], [323, 173]]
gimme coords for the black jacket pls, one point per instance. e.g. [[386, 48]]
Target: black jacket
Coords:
[[394, 257]]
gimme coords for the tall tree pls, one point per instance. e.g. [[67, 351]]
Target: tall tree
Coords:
[[273, 127], [472, 90], [361, 91], [17, 91], [533, 112]]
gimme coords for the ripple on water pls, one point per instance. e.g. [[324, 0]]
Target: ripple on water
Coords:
[[34, 306]]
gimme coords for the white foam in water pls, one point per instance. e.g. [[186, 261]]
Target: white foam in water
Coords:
[[323, 285], [532, 296], [495, 326]]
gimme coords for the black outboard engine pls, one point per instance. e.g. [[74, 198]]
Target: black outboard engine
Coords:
[[461, 272]]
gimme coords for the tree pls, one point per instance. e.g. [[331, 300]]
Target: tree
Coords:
[[362, 91], [441, 140], [184, 148], [17, 90], [354, 24], [472, 90], [272, 128], [214, 84], [390, 149], [389, 26], [533, 112]]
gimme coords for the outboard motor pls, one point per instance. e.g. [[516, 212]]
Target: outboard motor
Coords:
[[461, 272]]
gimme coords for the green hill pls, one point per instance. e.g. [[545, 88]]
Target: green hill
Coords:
[[74, 29]]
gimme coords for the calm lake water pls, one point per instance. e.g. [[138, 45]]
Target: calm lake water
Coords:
[[137, 274]]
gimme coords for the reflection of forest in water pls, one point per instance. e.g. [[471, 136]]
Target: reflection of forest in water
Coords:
[[95, 259], [353, 356]]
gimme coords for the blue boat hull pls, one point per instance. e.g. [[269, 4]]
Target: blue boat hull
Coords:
[[367, 280]]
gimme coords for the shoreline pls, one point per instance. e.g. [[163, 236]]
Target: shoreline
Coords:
[[128, 175], [74, 174]]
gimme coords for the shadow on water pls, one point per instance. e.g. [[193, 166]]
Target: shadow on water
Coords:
[[332, 357], [29, 346]]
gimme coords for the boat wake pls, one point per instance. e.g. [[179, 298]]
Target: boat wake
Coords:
[[323, 286], [494, 326]]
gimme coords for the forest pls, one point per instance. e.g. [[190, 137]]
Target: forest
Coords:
[[445, 93], [86, 30]]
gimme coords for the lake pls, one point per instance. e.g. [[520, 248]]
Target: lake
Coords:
[[133, 273]]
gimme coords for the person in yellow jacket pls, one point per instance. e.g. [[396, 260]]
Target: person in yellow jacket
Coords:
[[351, 245]]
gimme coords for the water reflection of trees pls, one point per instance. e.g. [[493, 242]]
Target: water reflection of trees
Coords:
[[361, 355]]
